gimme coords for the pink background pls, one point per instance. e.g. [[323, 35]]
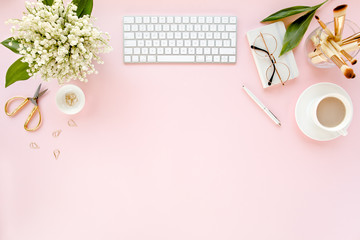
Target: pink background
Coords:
[[178, 151]]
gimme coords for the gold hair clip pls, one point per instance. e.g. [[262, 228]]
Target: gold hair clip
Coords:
[[56, 154], [33, 145], [71, 99], [56, 133], [72, 123]]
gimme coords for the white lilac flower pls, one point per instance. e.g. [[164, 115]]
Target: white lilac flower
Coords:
[[56, 43]]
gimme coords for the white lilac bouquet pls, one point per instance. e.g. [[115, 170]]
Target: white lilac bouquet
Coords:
[[55, 41]]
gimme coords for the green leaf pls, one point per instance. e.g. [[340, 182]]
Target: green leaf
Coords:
[[17, 72], [286, 12], [48, 2], [84, 7], [296, 31], [14, 44]]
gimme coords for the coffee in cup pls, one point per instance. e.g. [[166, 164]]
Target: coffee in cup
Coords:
[[333, 112]]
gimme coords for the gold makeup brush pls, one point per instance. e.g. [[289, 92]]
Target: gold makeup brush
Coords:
[[343, 52], [346, 70], [353, 38], [317, 56], [339, 20], [326, 29]]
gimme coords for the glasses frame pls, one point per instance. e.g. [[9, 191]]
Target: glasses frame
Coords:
[[272, 59]]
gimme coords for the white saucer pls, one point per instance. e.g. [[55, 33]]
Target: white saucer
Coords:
[[61, 100], [302, 111]]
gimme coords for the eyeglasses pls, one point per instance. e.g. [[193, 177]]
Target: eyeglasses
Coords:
[[264, 46]]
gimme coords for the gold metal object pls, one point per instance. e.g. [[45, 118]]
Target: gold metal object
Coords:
[[72, 123], [56, 154], [71, 99], [33, 100], [339, 21], [18, 108], [34, 145], [56, 133]]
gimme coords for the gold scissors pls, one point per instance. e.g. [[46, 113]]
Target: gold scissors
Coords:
[[34, 100]]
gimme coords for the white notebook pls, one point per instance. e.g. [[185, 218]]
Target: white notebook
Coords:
[[285, 66]]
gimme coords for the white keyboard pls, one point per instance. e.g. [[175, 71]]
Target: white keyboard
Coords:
[[179, 39]]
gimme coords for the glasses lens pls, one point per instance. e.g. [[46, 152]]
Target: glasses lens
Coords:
[[271, 44], [281, 73]]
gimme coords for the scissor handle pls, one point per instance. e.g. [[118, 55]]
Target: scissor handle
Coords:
[[16, 109], [30, 117]]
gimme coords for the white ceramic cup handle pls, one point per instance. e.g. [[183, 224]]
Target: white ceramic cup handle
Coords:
[[343, 132]]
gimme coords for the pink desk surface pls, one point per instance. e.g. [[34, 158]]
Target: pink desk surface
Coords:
[[178, 151]]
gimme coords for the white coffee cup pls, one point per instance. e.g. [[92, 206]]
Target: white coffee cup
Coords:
[[332, 112]]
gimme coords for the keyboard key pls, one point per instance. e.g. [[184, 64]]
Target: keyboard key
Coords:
[[152, 50], [170, 19], [225, 19], [230, 28], [146, 20], [144, 51], [193, 19], [176, 58], [142, 27], [151, 58], [138, 35], [224, 59], [217, 20], [154, 20], [130, 35], [183, 50], [130, 43], [168, 51], [134, 28], [227, 51], [177, 19], [135, 59], [179, 43], [176, 51], [137, 50], [143, 58], [232, 59], [141, 43], [127, 59], [160, 51], [200, 58], [128, 50], [162, 19], [127, 28], [232, 19], [138, 19], [129, 20], [150, 27], [214, 51], [185, 19]]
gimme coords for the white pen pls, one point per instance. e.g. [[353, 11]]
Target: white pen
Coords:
[[262, 106]]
